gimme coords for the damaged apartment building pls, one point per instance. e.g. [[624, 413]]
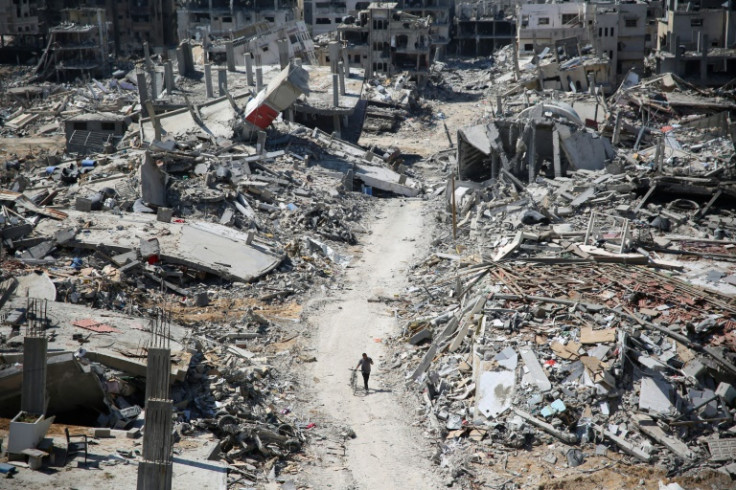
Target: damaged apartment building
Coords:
[[78, 47], [695, 41], [620, 32], [384, 39], [482, 27], [212, 19], [131, 22]]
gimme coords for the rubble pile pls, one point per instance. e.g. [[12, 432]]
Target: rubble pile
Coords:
[[589, 310]]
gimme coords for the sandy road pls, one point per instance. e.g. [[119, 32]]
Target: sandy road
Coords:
[[388, 452]]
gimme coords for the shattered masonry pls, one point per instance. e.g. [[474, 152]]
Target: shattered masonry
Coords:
[[173, 193]]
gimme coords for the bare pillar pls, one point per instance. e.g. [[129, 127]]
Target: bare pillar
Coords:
[[259, 73], [335, 91], [495, 164], [169, 76], [155, 89], [704, 60], [181, 62], [345, 63], [283, 45], [341, 73], [208, 80], [261, 142], [334, 50], [515, 54], [142, 86], [556, 153], [142, 91], [249, 68], [222, 80], [33, 392], [158, 373], [499, 105], [532, 154], [230, 55]]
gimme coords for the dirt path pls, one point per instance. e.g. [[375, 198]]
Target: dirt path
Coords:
[[387, 452]]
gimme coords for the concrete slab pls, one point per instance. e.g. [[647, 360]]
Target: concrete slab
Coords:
[[209, 247], [495, 392], [654, 396], [121, 350], [35, 285]]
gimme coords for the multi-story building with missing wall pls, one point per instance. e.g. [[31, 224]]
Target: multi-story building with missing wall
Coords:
[[383, 39]]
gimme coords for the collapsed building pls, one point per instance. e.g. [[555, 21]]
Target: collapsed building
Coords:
[[547, 139]]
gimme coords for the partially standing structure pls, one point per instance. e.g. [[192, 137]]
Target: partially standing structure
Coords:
[[383, 39], [78, 47]]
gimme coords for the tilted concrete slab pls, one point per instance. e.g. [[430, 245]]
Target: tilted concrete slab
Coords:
[[209, 247]]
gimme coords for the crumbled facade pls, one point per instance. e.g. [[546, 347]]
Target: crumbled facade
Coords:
[[697, 45], [621, 31], [201, 20], [384, 39], [482, 27]]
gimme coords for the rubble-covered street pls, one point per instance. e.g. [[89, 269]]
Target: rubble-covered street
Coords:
[[532, 238]]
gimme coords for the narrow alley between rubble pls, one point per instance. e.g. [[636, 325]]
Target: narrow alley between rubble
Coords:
[[386, 448]]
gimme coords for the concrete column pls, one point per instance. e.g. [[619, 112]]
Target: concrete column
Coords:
[[146, 53], [259, 78], [345, 63], [169, 76], [515, 55], [532, 154], [495, 165], [334, 50], [283, 45], [208, 80], [556, 153], [261, 142], [259, 73], [158, 373], [230, 54], [335, 91], [155, 89], [249, 68], [33, 390], [341, 73], [499, 105], [181, 62], [704, 60], [222, 80], [617, 129], [142, 87]]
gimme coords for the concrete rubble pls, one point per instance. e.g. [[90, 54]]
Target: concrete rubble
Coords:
[[586, 301], [577, 303]]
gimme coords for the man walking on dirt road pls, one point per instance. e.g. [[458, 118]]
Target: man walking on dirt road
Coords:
[[365, 367]]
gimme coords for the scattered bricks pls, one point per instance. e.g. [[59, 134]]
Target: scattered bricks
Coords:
[[133, 433]]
